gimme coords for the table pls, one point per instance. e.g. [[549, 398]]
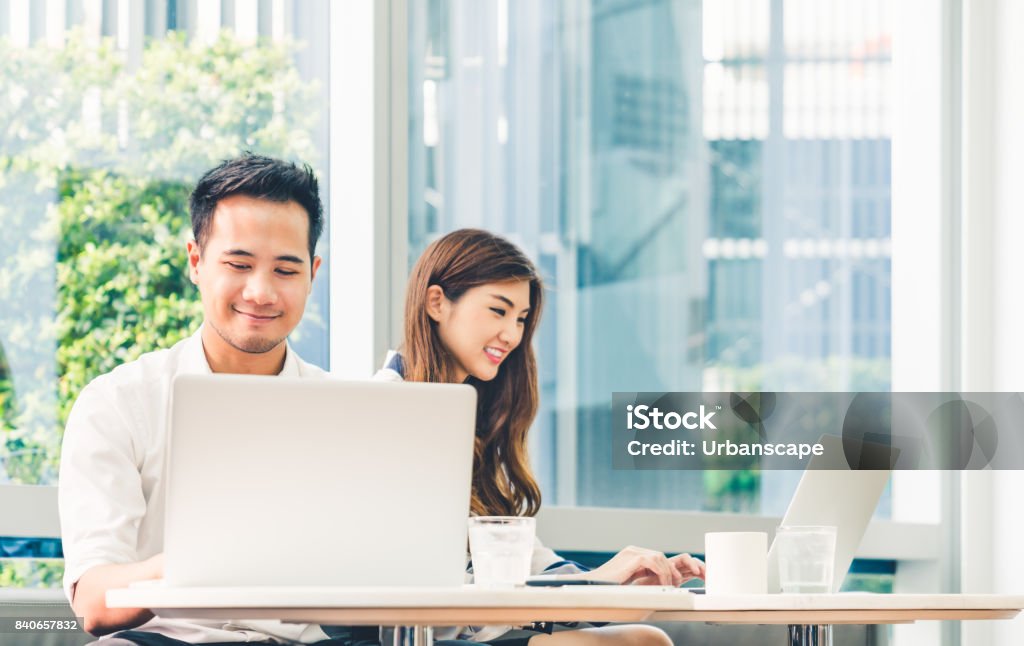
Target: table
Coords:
[[415, 610]]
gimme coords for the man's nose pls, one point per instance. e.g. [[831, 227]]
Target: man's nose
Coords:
[[259, 289]]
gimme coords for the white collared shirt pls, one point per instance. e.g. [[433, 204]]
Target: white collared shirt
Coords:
[[111, 490]]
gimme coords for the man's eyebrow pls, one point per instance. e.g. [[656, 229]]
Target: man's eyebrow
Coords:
[[508, 302], [249, 254]]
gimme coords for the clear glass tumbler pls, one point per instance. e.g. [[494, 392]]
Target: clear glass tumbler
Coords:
[[501, 548], [807, 557]]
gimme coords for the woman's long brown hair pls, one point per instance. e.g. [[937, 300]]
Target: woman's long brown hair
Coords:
[[503, 484]]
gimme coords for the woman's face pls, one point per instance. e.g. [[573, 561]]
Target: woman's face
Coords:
[[481, 328]]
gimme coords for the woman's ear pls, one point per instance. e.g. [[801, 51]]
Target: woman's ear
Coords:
[[435, 302]]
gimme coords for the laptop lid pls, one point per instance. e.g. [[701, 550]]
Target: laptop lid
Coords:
[[284, 481], [834, 496]]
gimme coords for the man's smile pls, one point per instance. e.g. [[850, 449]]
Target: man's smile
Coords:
[[254, 317]]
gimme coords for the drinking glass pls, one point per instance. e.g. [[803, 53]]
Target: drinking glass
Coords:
[[806, 558], [501, 548]]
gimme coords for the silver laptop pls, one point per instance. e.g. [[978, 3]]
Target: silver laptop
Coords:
[[835, 496], [277, 481]]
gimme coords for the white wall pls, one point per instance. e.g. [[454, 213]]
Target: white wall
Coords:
[[1008, 155], [1008, 364], [994, 348]]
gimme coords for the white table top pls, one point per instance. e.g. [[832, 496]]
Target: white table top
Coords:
[[470, 605]]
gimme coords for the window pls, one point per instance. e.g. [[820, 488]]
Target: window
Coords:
[[705, 187], [110, 113]]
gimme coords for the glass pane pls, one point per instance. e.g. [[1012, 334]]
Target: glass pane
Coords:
[[106, 122], [705, 186]]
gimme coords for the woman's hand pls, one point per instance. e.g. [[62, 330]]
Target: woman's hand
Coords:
[[685, 565], [648, 567]]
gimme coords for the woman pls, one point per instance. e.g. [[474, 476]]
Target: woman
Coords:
[[472, 306]]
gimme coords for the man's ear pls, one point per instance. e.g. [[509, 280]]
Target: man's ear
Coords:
[[436, 302], [312, 271], [194, 255]]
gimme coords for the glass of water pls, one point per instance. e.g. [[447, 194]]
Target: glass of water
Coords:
[[501, 548], [806, 558]]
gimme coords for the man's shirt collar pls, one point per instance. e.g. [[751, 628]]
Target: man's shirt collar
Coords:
[[193, 360]]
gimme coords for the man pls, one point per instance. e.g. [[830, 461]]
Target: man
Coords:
[[256, 222]]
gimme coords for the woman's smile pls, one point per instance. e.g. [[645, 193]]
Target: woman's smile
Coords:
[[494, 354]]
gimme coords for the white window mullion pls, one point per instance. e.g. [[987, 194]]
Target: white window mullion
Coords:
[[367, 171], [925, 311]]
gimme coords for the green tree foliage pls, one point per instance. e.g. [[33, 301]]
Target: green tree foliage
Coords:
[[46, 573], [97, 157], [123, 287]]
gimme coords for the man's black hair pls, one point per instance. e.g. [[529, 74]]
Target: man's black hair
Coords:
[[260, 177]]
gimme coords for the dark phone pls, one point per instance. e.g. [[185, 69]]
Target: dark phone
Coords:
[[554, 583]]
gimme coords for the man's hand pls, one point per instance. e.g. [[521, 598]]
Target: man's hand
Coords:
[[90, 595], [648, 567]]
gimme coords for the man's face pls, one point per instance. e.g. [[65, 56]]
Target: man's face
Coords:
[[254, 273]]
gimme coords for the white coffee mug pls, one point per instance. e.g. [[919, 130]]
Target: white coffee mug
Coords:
[[737, 562]]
